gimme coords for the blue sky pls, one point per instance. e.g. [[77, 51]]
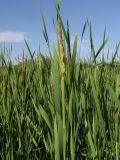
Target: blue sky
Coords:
[[21, 19]]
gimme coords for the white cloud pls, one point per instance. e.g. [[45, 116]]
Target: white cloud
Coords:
[[12, 36]]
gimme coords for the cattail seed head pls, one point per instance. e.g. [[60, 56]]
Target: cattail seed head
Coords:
[[23, 61], [61, 47]]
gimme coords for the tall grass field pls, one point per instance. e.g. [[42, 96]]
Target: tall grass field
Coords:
[[61, 107]]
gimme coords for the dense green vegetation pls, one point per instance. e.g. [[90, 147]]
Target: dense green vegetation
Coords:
[[59, 108]]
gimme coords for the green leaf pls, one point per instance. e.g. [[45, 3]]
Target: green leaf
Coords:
[[31, 55], [90, 140], [116, 52], [100, 49], [42, 113], [91, 43], [84, 28], [97, 105], [74, 50], [72, 145], [46, 34], [59, 2], [114, 97], [57, 152], [56, 82]]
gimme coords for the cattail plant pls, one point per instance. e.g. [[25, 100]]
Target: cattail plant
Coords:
[[62, 70]]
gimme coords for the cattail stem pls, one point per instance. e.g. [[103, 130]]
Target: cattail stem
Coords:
[[62, 70], [63, 116]]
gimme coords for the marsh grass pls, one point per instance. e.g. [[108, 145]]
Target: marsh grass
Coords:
[[60, 108]]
